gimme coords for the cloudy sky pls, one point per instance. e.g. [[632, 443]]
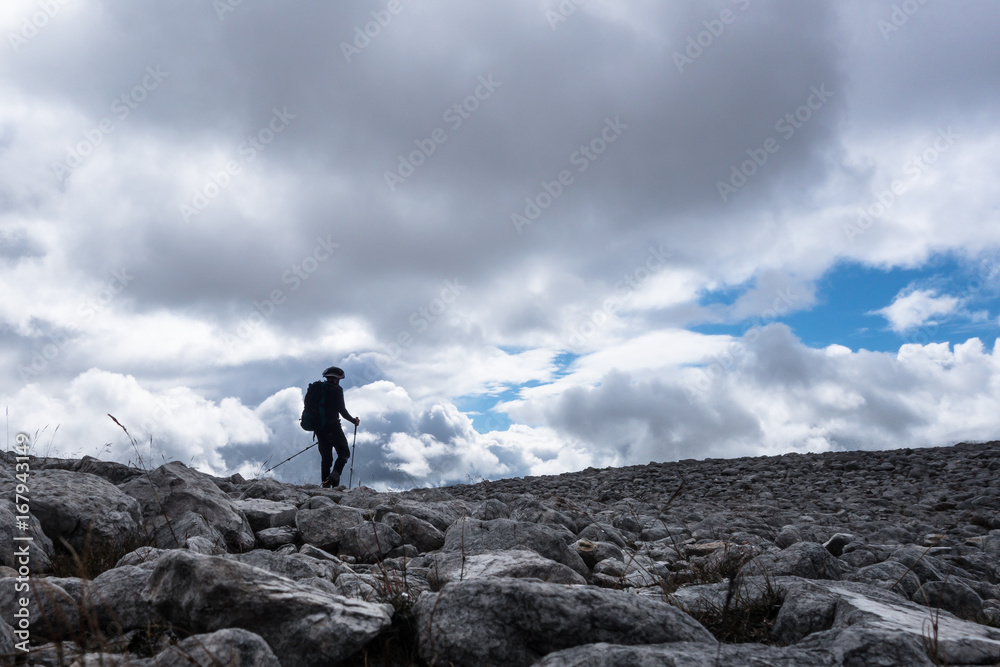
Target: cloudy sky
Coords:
[[537, 235]]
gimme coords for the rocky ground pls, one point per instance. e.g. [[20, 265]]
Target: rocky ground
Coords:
[[852, 558]]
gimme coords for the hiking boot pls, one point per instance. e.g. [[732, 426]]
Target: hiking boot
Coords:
[[333, 480], [325, 484]]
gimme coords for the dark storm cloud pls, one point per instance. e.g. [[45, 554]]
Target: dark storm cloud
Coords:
[[552, 92]]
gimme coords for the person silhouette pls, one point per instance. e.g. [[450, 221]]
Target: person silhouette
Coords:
[[330, 436]]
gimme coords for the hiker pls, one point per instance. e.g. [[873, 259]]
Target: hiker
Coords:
[[328, 400]]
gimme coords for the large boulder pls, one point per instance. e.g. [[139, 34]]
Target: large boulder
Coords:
[[174, 490], [262, 513], [273, 538], [811, 607], [325, 526], [439, 514], [838, 648], [52, 613], [413, 530], [808, 560], [953, 596], [294, 566], [39, 547], [519, 564], [231, 647], [184, 530], [114, 472], [890, 575], [517, 621], [303, 625], [112, 600], [79, 507], [369, 541], [472, 536]]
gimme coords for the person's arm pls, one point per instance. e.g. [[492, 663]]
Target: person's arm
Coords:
[[341, 408]]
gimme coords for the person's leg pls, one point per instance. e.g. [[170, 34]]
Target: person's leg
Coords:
[[325, 442], [343, 453]]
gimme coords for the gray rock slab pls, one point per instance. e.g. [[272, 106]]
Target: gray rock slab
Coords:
[[114, 598], [519, 564], [294, 566], [304, 626], [262, 513], [839, 648], [272, 538], [815, 606], [39, 547], [173, 490], [472, 536], [369, 541], [517, 621], [53, 614], [808, 560], [325, 526], [78, 507], [416, 531]]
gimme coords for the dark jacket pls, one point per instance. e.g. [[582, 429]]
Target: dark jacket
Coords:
[[335, 404]]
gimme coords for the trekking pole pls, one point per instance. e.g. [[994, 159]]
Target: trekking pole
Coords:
[[354, 450], [289, 458]]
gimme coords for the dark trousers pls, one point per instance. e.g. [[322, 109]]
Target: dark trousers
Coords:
[[330, 438]]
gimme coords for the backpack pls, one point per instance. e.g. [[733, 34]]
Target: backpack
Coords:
[[314, 412]]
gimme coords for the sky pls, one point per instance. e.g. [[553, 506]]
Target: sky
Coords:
[[537, 235]]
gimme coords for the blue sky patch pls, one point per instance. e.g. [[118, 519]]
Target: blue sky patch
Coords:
[[852, 300]]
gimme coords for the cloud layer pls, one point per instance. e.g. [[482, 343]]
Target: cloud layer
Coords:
[[515, 226]]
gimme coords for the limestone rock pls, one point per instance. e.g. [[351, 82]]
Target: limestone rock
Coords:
[[229, 647], [516, 622], [519, 564], [272, 538], [173, 492], [40, 548], [808, 560], [475, 537], [52, 612], [117, 606], [413, 530], [294, 566], [951, 596], [369, 541], [78, 507], [325, 527], [262, 513], [301, 624]]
